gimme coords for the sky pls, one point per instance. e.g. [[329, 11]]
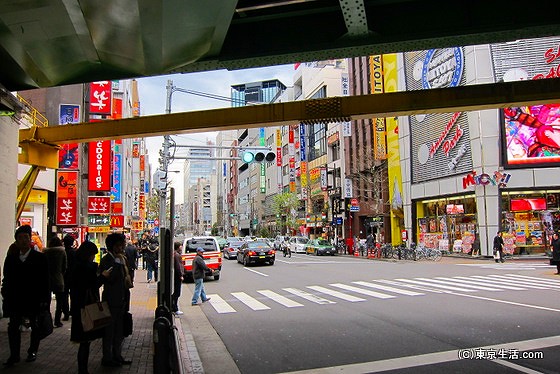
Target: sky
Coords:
[[153, 92]]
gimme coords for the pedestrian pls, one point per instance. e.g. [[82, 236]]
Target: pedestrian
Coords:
[[199, 269], [56, 256], [555, 245], [131, 254], [370, 243], [178, 274], [498, 247], [26, 292], [70, 248], [85, 284], [151, 256], [115, 294]]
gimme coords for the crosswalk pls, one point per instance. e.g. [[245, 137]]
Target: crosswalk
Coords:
[[377, 289], [509, 265]]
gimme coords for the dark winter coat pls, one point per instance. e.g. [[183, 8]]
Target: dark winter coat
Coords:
[[84, 283], [556, 250], [179, 270], [25, 285], [114, 288], [199, 267], [498, 243], [56, 256]]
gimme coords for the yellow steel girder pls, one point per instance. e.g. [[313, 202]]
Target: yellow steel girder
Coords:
[[443, 100], [24, 188]]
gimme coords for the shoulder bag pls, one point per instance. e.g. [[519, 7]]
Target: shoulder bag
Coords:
[[95, 315]]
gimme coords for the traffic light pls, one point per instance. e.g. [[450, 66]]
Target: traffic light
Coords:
[[249, 156]]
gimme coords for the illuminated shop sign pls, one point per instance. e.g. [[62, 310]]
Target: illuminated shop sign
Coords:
[[442, 68], [530, 134], [497, 179]]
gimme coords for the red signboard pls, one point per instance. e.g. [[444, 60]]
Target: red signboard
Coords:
[[99, 166], [68, 156], [100, 97], [99, 204], [66, 211], [66, 184], [117, 208], [117, 221]]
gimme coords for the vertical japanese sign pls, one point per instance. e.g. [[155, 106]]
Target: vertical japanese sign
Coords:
[[100, 97], [66, 198], [263, 167], [135, 201], [68, 155], [292, 153], [324, 179], [379, 127], [99, 161], [116, 188], [279, 159]]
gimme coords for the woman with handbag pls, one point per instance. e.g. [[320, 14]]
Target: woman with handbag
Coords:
[[84, 286]]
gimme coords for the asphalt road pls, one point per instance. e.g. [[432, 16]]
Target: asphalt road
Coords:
[[344, 314]]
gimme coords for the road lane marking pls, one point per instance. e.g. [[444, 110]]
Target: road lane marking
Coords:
[[536, 282], [289, 303], [505, 302], [308, 296], [389, 288], [492, 278], [378, 295], [548, 280], [423, 283], [407, 362], [414, 287], [220, 305], [481, 282], [455, 282], [250, 301], [337, 294], [256, 272]]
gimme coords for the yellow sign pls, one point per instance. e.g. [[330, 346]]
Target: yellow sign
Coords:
[[37, 197], [98, 229]]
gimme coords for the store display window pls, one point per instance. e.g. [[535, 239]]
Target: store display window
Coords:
[[529, 219], [448, 224]]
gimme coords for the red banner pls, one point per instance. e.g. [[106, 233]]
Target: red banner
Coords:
[[99, 166], [117, 221], [66, 184], [100, 97], [67, 211], [142, 202], [68, 156], [99, 204]]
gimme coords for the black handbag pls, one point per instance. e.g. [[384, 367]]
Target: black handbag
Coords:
[[44, 323], [127, 324]]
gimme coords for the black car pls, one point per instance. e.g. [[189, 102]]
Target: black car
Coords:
[[256, 252]]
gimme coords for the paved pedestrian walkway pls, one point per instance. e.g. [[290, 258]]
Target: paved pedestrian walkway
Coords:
[[57, 354]]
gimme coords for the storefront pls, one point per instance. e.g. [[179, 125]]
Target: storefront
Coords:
[[528, 219], [448, 223]]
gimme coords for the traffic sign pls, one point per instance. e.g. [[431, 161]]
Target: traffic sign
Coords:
[[354, 208], [156, 222], [354, 202]]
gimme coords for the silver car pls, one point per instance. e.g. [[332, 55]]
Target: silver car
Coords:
[[297, 244]]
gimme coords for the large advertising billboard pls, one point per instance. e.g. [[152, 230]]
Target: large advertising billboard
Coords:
[[440, 144], [530, 134]]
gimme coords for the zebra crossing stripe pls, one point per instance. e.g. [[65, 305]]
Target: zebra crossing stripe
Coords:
[[220, 305], [456, 282], [378, 295], [389, 288], [424, 283], [526, 282], [335, 293], [413, 286], [544, 280], [280, 299], [480, 281], [498, 280], [250, 301], [535, 282], [307, 296]]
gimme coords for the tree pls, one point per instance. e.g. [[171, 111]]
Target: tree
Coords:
[[285, 206]]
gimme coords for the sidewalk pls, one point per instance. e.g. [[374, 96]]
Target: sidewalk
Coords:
[[57, 354]]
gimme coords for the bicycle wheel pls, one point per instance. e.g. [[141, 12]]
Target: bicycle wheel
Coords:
[[436, 255]]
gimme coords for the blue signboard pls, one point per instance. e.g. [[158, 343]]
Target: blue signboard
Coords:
[[116, 188], [302, 142]]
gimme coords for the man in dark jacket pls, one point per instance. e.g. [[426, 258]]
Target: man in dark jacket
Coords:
[[131, 254], [199, 269], [56, 256], [26, 291], [115, 294], [178, 272], [499, 247], [70, 248]]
